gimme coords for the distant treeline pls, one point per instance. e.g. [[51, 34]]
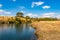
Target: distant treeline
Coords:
[[46, 19], [19, 18]]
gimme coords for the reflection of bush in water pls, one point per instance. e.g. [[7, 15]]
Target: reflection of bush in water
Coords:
[[19, 27]]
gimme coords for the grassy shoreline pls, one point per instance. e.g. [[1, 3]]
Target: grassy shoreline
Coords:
[[47, 30]]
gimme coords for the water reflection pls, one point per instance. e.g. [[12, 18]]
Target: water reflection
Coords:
[[19, 28], [16, 32]]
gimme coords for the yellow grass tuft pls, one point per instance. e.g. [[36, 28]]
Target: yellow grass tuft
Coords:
[[47, 30]]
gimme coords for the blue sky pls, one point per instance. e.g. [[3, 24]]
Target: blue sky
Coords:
[[32, 8]]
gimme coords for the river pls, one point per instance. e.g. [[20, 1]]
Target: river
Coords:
[[16, 32]]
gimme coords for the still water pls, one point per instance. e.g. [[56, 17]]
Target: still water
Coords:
[[16, 32]]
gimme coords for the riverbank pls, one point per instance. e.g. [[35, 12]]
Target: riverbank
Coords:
[[47, 30]]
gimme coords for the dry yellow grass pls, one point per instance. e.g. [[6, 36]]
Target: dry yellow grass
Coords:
[[47, 30]]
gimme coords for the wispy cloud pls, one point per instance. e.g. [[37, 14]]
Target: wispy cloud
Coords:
[[13, 0], [48, 15], [22, 11], [46, 7], [4, 12], [21, 7], [37, 3], [58, 16], [29, 14], [32, 15], [1, 5], [45, 15]]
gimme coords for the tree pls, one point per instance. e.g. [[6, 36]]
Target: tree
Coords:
[[27, 17], [18, 21], [11, 20], [19, 14]]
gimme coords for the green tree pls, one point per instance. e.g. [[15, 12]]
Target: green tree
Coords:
[[18, 20], [27, 17], [19, 14], [11, 20]]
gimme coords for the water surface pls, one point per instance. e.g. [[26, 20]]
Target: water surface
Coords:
[[16, 32]]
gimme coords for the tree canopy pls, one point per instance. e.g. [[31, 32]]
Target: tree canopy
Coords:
[[19, 14]]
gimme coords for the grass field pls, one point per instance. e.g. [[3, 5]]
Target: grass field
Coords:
[[47, 30]]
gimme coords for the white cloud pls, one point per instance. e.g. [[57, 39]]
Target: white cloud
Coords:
[[21, 7], [7, 12], [45, 15], [29, 14], [13, 0], [1, 5], [58, 16], [48, 15], [35, 15], [4, 12], [37, 4], [32, 15], [46, 7], [22, 11]]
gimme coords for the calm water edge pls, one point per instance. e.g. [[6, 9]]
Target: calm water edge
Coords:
[[16, 32]]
